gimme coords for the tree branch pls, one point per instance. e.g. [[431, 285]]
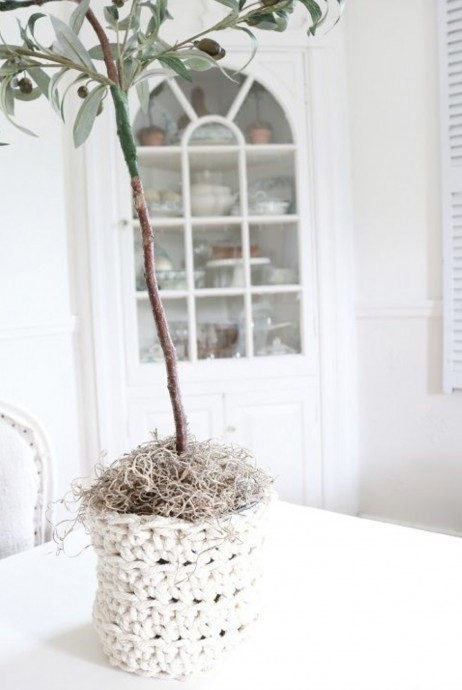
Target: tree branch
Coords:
[[9, 5]]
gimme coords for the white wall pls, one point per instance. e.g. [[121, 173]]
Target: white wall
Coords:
[[410, 433], [37, 369]]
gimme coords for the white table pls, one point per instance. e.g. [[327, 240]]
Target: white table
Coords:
[[350, 605]]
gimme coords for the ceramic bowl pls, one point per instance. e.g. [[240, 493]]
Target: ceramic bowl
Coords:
[[211, 200], [269, 207]]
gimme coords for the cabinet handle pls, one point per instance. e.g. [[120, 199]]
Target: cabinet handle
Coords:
[[230, 429]]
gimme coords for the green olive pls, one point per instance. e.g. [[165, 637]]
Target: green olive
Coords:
[[82, 91], [25, 85], [211, 47]]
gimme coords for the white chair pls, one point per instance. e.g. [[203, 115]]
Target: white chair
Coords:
[[25, 481]]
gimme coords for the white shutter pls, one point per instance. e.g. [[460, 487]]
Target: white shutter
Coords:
[[450, 43]]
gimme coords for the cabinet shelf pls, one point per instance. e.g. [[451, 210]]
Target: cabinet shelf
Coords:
[[273, 220], [274, 289], [175, 223], [215, 220], [221, 157], [142, 295]]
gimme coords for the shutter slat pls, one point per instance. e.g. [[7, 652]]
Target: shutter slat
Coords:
[[450, 36]]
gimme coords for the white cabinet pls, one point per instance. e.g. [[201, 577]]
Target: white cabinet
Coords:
[[227, 184], [282, 429], [150, 413], [280, 425]]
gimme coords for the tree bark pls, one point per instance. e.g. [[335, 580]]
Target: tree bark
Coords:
[[128, 145]]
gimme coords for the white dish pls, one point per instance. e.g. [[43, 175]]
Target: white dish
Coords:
[[165, 209], [219, 263], [269, 207]]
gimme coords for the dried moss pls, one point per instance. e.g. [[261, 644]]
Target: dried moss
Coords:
[[208, 480]]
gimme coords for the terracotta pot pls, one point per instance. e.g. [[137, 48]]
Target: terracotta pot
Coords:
[[151, 136], [260, 133]]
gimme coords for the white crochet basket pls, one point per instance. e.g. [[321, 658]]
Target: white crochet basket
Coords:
[[173, 595]]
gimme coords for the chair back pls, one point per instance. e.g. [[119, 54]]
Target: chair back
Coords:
[[25, 481]]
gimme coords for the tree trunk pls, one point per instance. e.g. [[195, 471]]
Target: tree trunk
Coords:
[[128, 145]]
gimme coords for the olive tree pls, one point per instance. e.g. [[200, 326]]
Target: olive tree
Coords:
[[129, 50]]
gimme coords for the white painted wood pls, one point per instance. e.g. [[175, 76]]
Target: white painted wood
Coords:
[[148, 415], [325, 90], [281, 428], [339, 593], [450, 51], [431, 309]]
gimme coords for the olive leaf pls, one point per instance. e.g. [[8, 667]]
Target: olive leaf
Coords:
[[11, 68], [7, 104], [87, 114], [176, 65], [78, 15], [96, 53], [253, 45], [111, 15], [41, 79], [81, 77], [53, 93], [70, 44], [32, 96], [230, 19], [142, 91]]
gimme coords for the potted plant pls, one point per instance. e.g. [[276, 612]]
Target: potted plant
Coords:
[[259, 131], [176, 523], [153, 134]]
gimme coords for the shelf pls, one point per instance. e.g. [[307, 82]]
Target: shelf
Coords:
[[175, 223], [230, 263], [273, 220], [220, 292], [223, 292], [215, 220], [259, 154], [274, 289], [142, 295], [217, 158], [261, 220]]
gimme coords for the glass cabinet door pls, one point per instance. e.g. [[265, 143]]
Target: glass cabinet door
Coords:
[[217, 160]]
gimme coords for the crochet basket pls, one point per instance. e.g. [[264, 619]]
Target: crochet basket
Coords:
[[173, 595]]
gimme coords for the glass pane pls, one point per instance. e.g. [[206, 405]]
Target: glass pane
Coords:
[[213, 133], [271, 181], [161, 178], [159, 126], [149, 346], [278, 243], [169, 253], [220, 327], [211, 94], [213, 244], [276, 324], [262, 119], [215, 183]]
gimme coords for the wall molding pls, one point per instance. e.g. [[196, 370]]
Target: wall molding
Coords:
[[430, 309], [40, 330]]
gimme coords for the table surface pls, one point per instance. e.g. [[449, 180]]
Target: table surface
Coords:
[[350, 604]]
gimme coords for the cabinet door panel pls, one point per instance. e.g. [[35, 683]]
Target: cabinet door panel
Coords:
[[204, 414], [281, 429]]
